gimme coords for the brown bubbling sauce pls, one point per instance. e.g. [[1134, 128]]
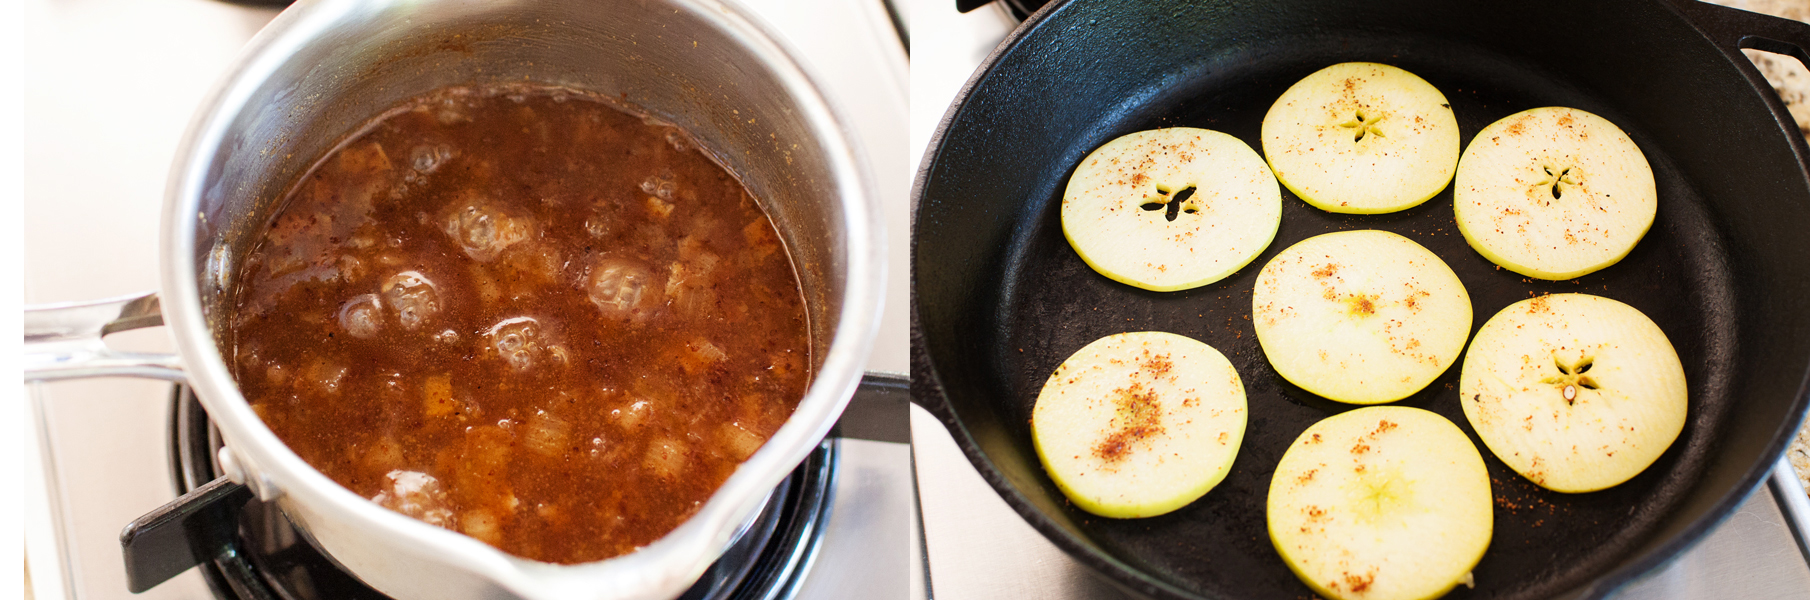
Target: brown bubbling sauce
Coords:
[[526, 315]]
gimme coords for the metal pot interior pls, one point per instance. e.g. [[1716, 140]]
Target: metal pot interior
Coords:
[[675, 62]]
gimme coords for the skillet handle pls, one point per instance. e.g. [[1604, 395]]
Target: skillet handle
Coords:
[[1734, 29], [63, 341]]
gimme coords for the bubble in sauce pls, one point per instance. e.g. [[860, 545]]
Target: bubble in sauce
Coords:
[[677, 140], [413, 297], [619, 288], [361, 316], [452, 111], [660, 186], [483, 231], [518, 341], [427, 158]]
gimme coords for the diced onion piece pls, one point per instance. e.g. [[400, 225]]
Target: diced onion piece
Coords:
[[760, 238], [665, 457], [699, 355], [417, 495], [534, 264], [326, 376], [436, 394], [705, 263], [488, 291], [484, 463], [366, 159], [675, 280], [633, 415], [264, 411], [276, 374], [546, 434], [481, 524], [658, 208], [786, 363], [383, 455], [739, 442]]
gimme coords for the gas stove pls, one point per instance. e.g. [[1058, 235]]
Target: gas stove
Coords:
[[111, 85], [976, 546]]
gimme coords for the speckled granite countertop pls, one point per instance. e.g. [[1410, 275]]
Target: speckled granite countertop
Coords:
[[1793, 83]]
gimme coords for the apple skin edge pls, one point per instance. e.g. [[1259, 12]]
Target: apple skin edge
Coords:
[[1471, 240], [1357, 210], [1499, 261], [1187, 285]]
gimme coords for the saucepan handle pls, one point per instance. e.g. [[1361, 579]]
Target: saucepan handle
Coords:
[[878, 410], [63, 341]]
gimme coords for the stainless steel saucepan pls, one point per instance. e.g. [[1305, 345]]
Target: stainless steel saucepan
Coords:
[[324, 67]]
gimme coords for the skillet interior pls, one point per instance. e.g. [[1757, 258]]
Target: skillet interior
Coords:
[[1716, 271]]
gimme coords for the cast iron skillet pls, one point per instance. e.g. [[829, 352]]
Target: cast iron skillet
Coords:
[[999, 298]]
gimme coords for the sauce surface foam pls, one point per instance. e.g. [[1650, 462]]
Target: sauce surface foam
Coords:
[[526, 315]]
